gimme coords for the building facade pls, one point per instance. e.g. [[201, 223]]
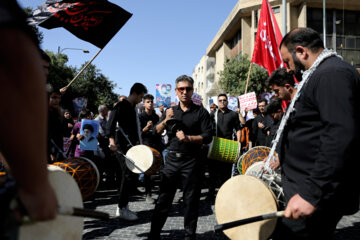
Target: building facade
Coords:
[[238, 32]]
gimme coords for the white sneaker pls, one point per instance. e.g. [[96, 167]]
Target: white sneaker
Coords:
[[126, 214]]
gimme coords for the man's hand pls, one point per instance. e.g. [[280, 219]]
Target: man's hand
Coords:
[[79, 137], [261, 125], [182, 137], [40, 204], [169, 114], [274, 162], [63, 90], [113, 147], [298, 208]]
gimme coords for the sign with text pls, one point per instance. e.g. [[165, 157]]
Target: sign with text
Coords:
[[248, 101]]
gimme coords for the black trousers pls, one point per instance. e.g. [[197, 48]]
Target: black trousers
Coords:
[[126, 181], [186, 168], [321, 225]]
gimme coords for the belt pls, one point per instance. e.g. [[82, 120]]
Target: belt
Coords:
[[179, 154]]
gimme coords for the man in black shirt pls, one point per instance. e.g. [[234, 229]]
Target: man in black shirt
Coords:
[[261, 124], [225, 123], [190, 127], [282, 83], [320, 140], [148, 119], [127, 135]]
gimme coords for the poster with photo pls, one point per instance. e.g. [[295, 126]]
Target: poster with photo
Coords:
[[232, 103], [79, 104], [163, 94], [89, 129]]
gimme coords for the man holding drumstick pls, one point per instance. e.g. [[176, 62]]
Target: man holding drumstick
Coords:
[[320, 139]]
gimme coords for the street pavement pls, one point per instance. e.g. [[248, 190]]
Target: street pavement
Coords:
[[105, 199]]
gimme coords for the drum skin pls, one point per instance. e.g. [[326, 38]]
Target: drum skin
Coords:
[[62, 227], [224, 150], [146, 158], [242, 197], [85, 173]]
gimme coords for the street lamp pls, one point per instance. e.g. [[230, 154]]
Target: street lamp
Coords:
[[84, 50]]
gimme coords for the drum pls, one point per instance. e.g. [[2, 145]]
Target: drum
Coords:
[[85, 173], [243, 197], [255, 154], [146, 158], [224, 150], [62, 227]]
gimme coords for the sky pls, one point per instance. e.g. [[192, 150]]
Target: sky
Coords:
[[161, 41]]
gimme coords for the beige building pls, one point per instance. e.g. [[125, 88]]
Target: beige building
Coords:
[[238, 32]]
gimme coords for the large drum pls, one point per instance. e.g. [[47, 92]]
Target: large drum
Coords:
[[243, 197], [145, 158], [62, 227], [85, 173], [255, 154], [224, 150]]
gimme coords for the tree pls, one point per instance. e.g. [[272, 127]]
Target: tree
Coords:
[[91, 84], [233, 77]]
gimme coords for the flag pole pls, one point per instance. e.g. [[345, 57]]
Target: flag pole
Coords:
[[87, 64], [248, 78]]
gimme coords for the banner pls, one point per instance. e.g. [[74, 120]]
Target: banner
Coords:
[[94, 21], [268, 38], [248, 101], [163, 95], [89, 129], [79, 104], [197, 99], [233, 103]]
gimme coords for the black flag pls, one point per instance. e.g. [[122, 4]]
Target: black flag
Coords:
[[95, 21]]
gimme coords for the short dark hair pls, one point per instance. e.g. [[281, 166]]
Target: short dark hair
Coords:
[[89, 127], [222, 95], [306, 37], [274, 106], [138, 88], [280, 77], [262, 100], [84, 114], [45, 56], [183, 78], [148, 96]]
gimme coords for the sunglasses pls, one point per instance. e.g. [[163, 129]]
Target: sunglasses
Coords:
[[223, 100], [188, 89]]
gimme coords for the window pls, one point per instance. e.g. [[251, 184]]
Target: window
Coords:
[[276, 9]]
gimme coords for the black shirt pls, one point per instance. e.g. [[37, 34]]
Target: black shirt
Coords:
[[195, 121], [319, 154], [260, 133], [227, 121], [150, 138], [124, 114]]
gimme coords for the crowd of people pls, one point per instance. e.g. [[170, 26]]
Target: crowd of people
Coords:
[[316, 96]]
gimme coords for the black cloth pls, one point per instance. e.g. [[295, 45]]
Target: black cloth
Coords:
[[55, 134], [150, 138], [195, 121], [183, 162], [319, 146], [273, 129], [66, 129], [124, 115], [260, 133], [226, 123]]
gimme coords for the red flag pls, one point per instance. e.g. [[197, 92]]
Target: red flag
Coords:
[[268, 37]]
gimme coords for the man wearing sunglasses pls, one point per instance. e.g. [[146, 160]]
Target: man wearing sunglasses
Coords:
[[183, 162], [226, 122]]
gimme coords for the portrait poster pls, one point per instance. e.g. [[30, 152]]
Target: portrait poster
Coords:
[[79, 104], [233, 103], [89, 129], [163, 94], [197, 99], [248, 101]]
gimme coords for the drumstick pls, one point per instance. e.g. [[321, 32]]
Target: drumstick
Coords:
[[133, 163], [237, 223], [81, 212]]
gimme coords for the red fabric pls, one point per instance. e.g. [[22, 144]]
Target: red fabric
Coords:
[[268, 38]]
